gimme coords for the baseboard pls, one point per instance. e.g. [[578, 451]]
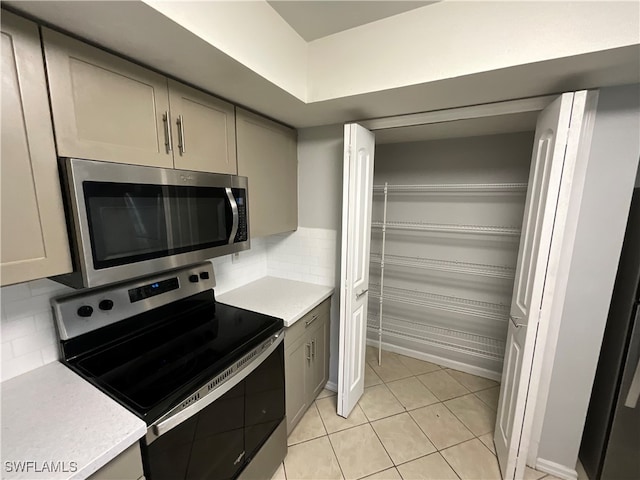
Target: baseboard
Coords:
[[445, 362], [331, 386], [553, 468]]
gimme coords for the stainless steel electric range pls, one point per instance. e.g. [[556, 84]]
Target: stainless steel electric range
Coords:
[[207, 378]]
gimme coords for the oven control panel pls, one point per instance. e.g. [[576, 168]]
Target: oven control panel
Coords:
[[155, 288], [90, 309]]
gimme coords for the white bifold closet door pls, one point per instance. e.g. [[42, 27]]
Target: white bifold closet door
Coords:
[[354, 269], [541, 207]]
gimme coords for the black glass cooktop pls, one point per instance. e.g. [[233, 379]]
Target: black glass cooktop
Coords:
[[152, 361]]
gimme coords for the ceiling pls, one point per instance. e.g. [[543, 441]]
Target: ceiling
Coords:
[[317, 19]]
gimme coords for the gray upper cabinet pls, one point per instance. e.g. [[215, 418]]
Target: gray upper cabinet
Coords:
[[104, 107], [34, 240], [267, 154], [204, 130], [107, 108]]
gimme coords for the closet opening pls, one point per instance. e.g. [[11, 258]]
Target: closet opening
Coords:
[[454, 194], [461, 262]]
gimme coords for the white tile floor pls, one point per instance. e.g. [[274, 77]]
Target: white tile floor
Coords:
[[416, 420]]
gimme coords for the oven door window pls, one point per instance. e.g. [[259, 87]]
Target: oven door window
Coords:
[[133, 222]]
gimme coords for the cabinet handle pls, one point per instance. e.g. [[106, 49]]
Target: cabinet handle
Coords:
[[308, 346], [181, 144], [166, 118], [313, 348], [361, 293], [309, 322]]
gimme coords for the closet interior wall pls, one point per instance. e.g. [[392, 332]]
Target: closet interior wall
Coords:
[[448, 280]]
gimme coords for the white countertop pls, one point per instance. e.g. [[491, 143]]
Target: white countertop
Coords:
[[289, 300], [52, 415]]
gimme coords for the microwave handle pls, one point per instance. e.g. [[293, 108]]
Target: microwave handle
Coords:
[[234, 212]]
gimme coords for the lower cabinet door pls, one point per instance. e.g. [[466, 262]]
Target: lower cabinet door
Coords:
[[320, 357], [297, 367]]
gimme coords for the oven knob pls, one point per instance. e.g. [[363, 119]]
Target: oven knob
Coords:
[[204, 275], [85, 311], [193, 278], [105, 304]]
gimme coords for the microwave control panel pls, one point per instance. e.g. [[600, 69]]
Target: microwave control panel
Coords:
[[241, 201]]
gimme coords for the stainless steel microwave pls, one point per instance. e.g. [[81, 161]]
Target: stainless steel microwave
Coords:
[[127, 221]]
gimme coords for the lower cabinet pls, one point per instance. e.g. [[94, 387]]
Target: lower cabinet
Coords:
[[306, 361], [126, 466]]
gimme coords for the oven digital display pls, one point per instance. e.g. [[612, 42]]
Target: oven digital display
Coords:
[[152, 289]]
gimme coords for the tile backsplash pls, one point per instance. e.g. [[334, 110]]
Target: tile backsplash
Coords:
[[27, 331], [307, 255], [27, 334], [233, 271]]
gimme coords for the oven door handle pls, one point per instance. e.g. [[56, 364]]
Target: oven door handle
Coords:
[[172, 420], [234, 212]]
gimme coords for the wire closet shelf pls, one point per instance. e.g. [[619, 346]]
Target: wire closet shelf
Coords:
[[454, 188], [483, 346], [467, 268], [445, 338]]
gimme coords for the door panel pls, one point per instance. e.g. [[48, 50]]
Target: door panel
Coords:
[[530, 244], [34, 236], [104, 107], [545, 175], [354, 273], [296, 375], [204, 131], [513, 359]]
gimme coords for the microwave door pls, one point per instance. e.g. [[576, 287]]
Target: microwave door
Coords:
[[147, 222], [167, 218]]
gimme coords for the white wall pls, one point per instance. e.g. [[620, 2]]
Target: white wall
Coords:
[[609, 182], [451, 39]]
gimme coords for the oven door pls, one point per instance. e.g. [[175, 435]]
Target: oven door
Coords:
[[130, 220], [218, 441]]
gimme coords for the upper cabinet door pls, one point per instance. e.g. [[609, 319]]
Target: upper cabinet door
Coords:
[[34, 236], [204, 130], [104, 107], [267, 154]]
